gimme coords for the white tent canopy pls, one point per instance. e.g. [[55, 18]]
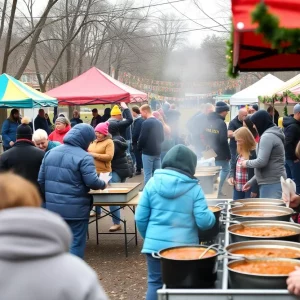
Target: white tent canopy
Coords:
[[250, 94]]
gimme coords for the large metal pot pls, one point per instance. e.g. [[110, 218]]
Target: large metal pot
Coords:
[[235, 238], [195, 273], [208, 235], [239, 280], [268, 244], [256, 202], [284, 213]]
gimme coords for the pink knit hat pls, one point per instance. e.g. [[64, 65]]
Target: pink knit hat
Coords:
[[102, 128]]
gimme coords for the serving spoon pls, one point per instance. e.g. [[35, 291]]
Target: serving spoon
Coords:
[[207, 249]]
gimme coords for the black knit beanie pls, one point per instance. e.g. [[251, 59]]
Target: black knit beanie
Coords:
[[24, 131], [221, 106], [181, 158]]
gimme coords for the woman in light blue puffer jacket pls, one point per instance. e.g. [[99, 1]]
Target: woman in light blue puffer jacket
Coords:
[[171, 210]]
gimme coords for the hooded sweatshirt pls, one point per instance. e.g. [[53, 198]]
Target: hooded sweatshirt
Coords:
[[269, 164], [34, 246], [173, 206], [292, 137]]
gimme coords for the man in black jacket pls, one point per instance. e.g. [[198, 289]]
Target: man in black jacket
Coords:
[[96, 118], [23, 158], [150, 140], [136, 131], [215, 138], [292, 136], [123, 121], [40, 122]]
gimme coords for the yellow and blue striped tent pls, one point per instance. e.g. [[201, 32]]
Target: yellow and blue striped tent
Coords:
[[16, 94]]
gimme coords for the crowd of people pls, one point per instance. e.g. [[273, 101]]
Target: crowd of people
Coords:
[[62, 164], [258, 152]]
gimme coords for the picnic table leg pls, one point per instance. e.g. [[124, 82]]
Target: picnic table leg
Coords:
[[126, 242], [97, 230], [135, 230]]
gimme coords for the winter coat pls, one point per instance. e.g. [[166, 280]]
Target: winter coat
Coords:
[[96, 120], [123, 124], [68, 173], [171, 210], [105, 152], [52, 145], [75, 121], [215, 136], [136, 129], [9, 132], [292, 137], [119, 163], [151, 137], [34, 245], [41, 123], [58, 135], [234, 125], [106, 115], [269, 164], [23, 159], [250, 171]]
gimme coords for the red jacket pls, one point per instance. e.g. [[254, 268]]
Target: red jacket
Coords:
[[58, 135]]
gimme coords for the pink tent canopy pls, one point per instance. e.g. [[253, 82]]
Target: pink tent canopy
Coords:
[[95, 87]]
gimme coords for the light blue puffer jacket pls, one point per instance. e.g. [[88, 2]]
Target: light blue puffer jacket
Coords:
[[171, 210]]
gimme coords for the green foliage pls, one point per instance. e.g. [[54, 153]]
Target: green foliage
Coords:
[[283, 39], [229, 57]]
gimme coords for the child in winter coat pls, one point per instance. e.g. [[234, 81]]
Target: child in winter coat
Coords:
[[171, 210], [239, 175]]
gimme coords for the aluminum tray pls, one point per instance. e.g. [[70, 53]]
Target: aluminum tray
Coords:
[[116, 192], [222, 291]]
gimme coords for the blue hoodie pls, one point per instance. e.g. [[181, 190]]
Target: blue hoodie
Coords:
[[68, 173], [171, 210]]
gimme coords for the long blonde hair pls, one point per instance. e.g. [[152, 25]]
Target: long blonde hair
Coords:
[[16, 191], [248, 144]]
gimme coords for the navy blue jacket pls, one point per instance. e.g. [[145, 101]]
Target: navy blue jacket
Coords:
[[41, 123], [151, 137], [9, 132], [292, 137], [136, 130], [68, 173]]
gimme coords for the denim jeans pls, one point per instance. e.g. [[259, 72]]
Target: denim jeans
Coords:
[[272, 190], [150, 164], [293, 171], [79, 229], [115, 210], [224, 172], [130, 151], [154, 277], [138, 159], [240, 194]]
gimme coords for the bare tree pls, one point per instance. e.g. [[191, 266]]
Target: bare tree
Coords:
[[3, 13], [9, 34]]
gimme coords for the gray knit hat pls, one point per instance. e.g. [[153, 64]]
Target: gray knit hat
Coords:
[[63, 120]]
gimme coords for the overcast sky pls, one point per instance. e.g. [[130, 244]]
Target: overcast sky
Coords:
[[185, 10]]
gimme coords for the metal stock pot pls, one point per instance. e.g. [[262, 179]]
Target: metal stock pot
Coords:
[[235, 237], [193, 273], [271, 212]]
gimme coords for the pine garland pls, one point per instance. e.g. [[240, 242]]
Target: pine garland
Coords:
[[229, 56], [283, 39]]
